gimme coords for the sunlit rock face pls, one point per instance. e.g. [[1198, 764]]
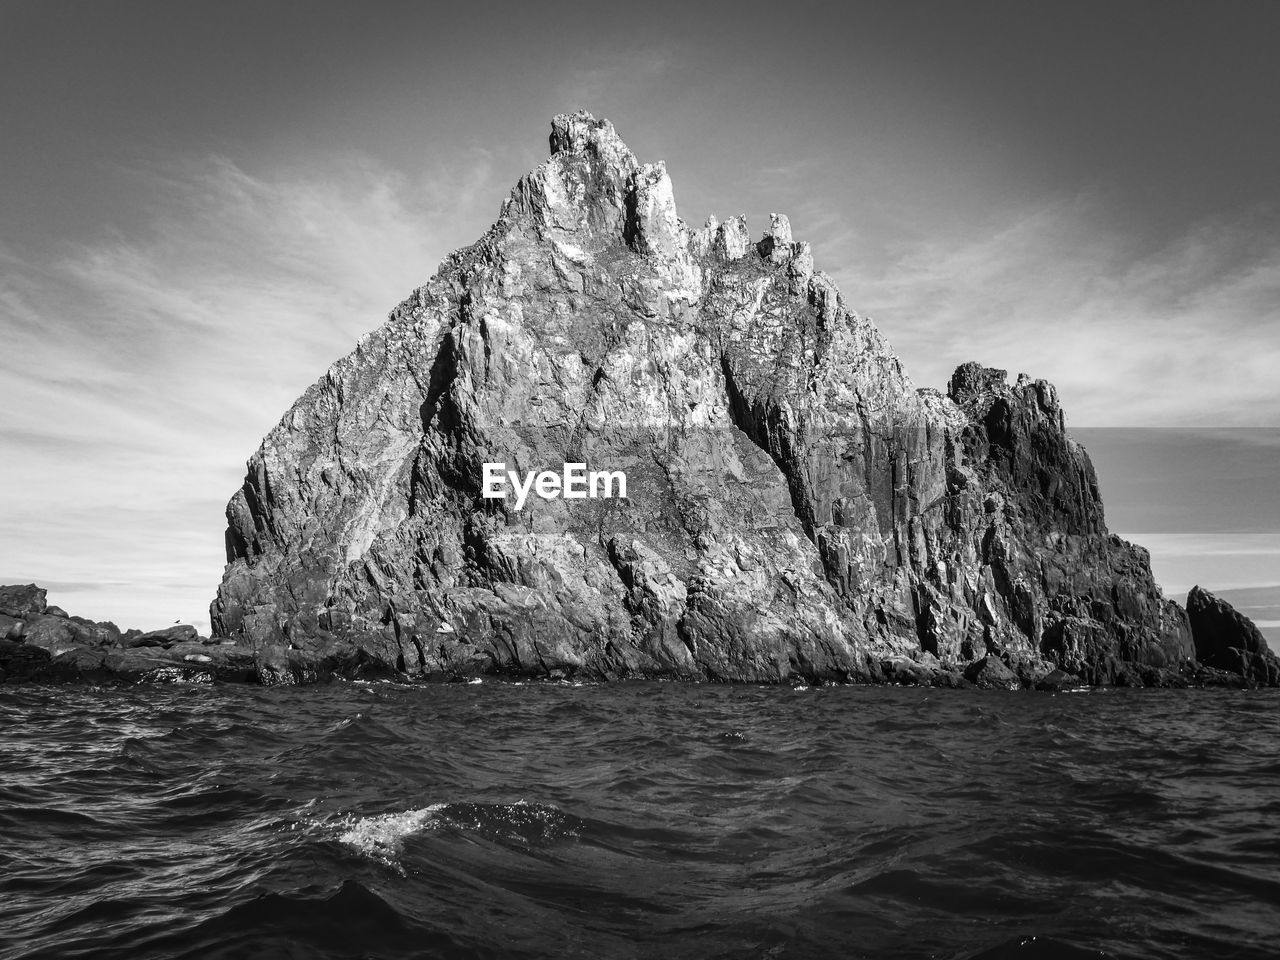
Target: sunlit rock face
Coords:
[[795, 507]]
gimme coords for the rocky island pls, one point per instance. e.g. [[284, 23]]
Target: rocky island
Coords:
[[795, 508]]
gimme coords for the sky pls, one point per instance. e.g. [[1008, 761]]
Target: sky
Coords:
[[203, 205]]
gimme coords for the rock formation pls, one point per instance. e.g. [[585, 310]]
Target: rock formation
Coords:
[[796, 508], [39, 642], [1228, 641]]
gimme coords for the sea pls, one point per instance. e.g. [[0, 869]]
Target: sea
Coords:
[[638, 820]]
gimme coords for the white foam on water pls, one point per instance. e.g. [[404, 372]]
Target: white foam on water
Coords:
[[382, 836]]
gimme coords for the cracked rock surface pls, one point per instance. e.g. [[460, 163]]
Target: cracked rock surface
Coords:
[[796, 509]]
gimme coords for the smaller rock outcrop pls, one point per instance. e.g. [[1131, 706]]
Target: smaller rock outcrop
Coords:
[[40, 643], [181, 633], [1227, 640], [1057, 681], [43, 643], [23, 600], [993, 673]]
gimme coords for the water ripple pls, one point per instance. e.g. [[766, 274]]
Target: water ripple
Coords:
[[638, 820]]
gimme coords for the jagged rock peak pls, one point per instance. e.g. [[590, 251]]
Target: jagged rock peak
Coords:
[[593, 180], [794, 506], [585, 186], [580, 132]]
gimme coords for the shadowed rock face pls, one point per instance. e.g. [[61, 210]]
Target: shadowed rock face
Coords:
[[1228, 640], [796, 507]]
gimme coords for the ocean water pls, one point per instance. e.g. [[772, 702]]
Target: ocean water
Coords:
[[638, 820]]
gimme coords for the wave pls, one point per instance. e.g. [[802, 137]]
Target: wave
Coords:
[[381, 837], [656, 820], [1040, 948], [352, 920]]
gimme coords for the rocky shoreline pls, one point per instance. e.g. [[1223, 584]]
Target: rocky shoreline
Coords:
[[41, 643]]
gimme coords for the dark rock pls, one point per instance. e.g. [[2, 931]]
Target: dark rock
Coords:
[[59, 633], [1229, 641], [992, 673], [1126, 675], [82, 663], [144, 640], [951, 678], [95, 633], [1055, 681], [161, 638], [1212, 677], [22, 662], [53, 633], [56, 647], [796, 509], [11, 627], [907, 672], [271, 668], [227, 664], [139, 666], [167, 637], [22, 600]]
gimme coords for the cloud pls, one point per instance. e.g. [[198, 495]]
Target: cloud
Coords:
[[1180, 335], [1215, 561], [142, 369], [597, 77]]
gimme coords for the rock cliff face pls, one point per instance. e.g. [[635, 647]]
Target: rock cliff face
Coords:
[[795, 507]]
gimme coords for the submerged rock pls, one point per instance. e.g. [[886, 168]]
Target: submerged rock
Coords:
[[795, 507]]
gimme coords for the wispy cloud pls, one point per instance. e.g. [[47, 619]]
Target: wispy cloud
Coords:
[[597, 77], [1215, 561], [142, 370], [1180, 335]]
